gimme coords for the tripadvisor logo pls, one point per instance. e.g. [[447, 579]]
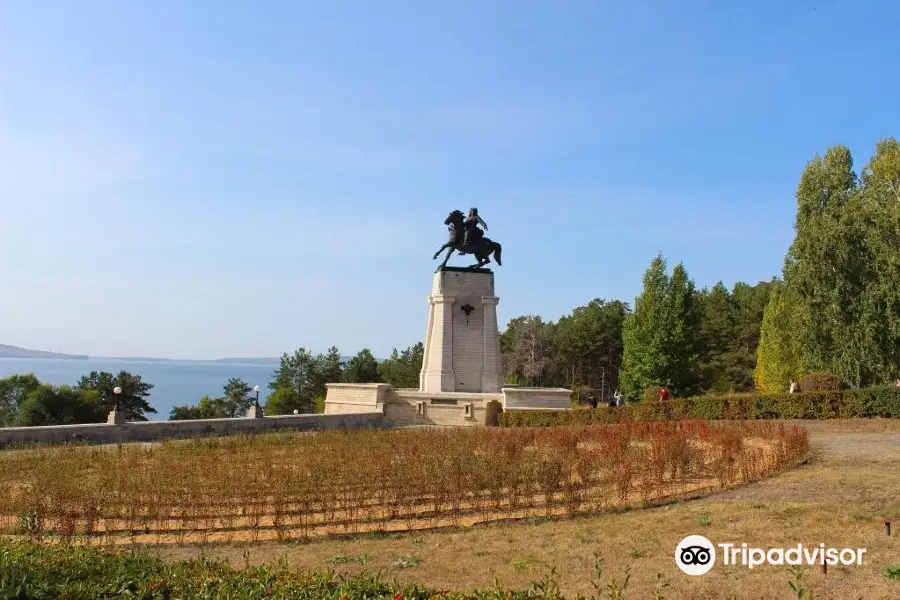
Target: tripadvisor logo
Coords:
[[696, 555]]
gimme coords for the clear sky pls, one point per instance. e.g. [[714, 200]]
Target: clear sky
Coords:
[[216, 178]]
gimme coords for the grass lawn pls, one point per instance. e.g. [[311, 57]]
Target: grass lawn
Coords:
[[838, 498]]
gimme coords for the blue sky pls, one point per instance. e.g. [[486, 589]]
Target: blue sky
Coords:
[[204, 179]]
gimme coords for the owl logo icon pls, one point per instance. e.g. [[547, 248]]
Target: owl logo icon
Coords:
[[695, 555]]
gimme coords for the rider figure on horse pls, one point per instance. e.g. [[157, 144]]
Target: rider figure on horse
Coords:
[[471, 233]]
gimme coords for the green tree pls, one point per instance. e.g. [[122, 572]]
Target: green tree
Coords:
[[300, 379], [825, 267], [717, 329], [841, 274], [661, 338], [237, 398], [284, 401], [402, 369], [362, 368], [644, 335], [588, 346], [682, 342], [878, 319], [778, 358], [749, 303], [207, 408], [13, 391], [64, 405], [329, 368], [132, 400], [292, 384]]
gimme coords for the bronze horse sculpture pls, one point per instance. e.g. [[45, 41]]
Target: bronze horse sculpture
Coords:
[[482, 248]]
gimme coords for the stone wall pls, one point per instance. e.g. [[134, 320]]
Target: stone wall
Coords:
[[152, 431], [344, 398], [524, 398], [406, 408]]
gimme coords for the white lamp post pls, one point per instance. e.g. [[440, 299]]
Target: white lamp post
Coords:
[[255, 411], [116, 417]]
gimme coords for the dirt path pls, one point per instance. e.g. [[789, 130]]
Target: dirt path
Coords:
[[839, 497]]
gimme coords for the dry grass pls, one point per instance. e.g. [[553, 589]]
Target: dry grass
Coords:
[[839, 498], [285, 487]]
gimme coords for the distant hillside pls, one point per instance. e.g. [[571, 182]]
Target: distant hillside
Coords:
[[250, 361], [244, 361], [7, 351]]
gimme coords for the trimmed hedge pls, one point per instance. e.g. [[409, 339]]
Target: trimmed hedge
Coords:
[[820, 381], [883, 402]]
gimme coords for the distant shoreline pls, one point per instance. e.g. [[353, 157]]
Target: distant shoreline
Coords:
[[63, 357], [20, 353], [232, 361]]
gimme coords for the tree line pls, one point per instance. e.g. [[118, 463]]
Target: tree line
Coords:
[[691, 341], [25, 401], [834, 313], [836, 308], [299, 382]]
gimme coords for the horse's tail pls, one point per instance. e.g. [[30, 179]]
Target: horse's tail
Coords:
[[497, 249]]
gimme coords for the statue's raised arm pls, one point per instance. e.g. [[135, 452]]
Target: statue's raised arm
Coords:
[[467, 238]]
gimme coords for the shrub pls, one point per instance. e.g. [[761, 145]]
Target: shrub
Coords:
[[820, 381], [33, 571], [875, 402]]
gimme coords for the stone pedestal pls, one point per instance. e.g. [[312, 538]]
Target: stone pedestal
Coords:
[[462, 342], [461, 381], [115, 417], [255, 412]]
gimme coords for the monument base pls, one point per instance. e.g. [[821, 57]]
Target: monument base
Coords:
[[409, 407], [462, 342], [461, 379]]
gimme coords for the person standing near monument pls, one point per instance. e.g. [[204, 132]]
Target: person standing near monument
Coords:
[[663, 394]]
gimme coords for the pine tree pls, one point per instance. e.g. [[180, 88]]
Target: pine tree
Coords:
[[402, 369], [362, 368], [717, 330], [294, 383], [682, 342], [236, 398], [749, 303]]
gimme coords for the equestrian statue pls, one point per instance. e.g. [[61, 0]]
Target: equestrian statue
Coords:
[[468, 238]]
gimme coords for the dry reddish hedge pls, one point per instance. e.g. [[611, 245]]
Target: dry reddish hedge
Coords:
[[299, 484]]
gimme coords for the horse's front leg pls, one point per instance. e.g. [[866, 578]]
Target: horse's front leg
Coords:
[[446, 258], [439, 251]]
